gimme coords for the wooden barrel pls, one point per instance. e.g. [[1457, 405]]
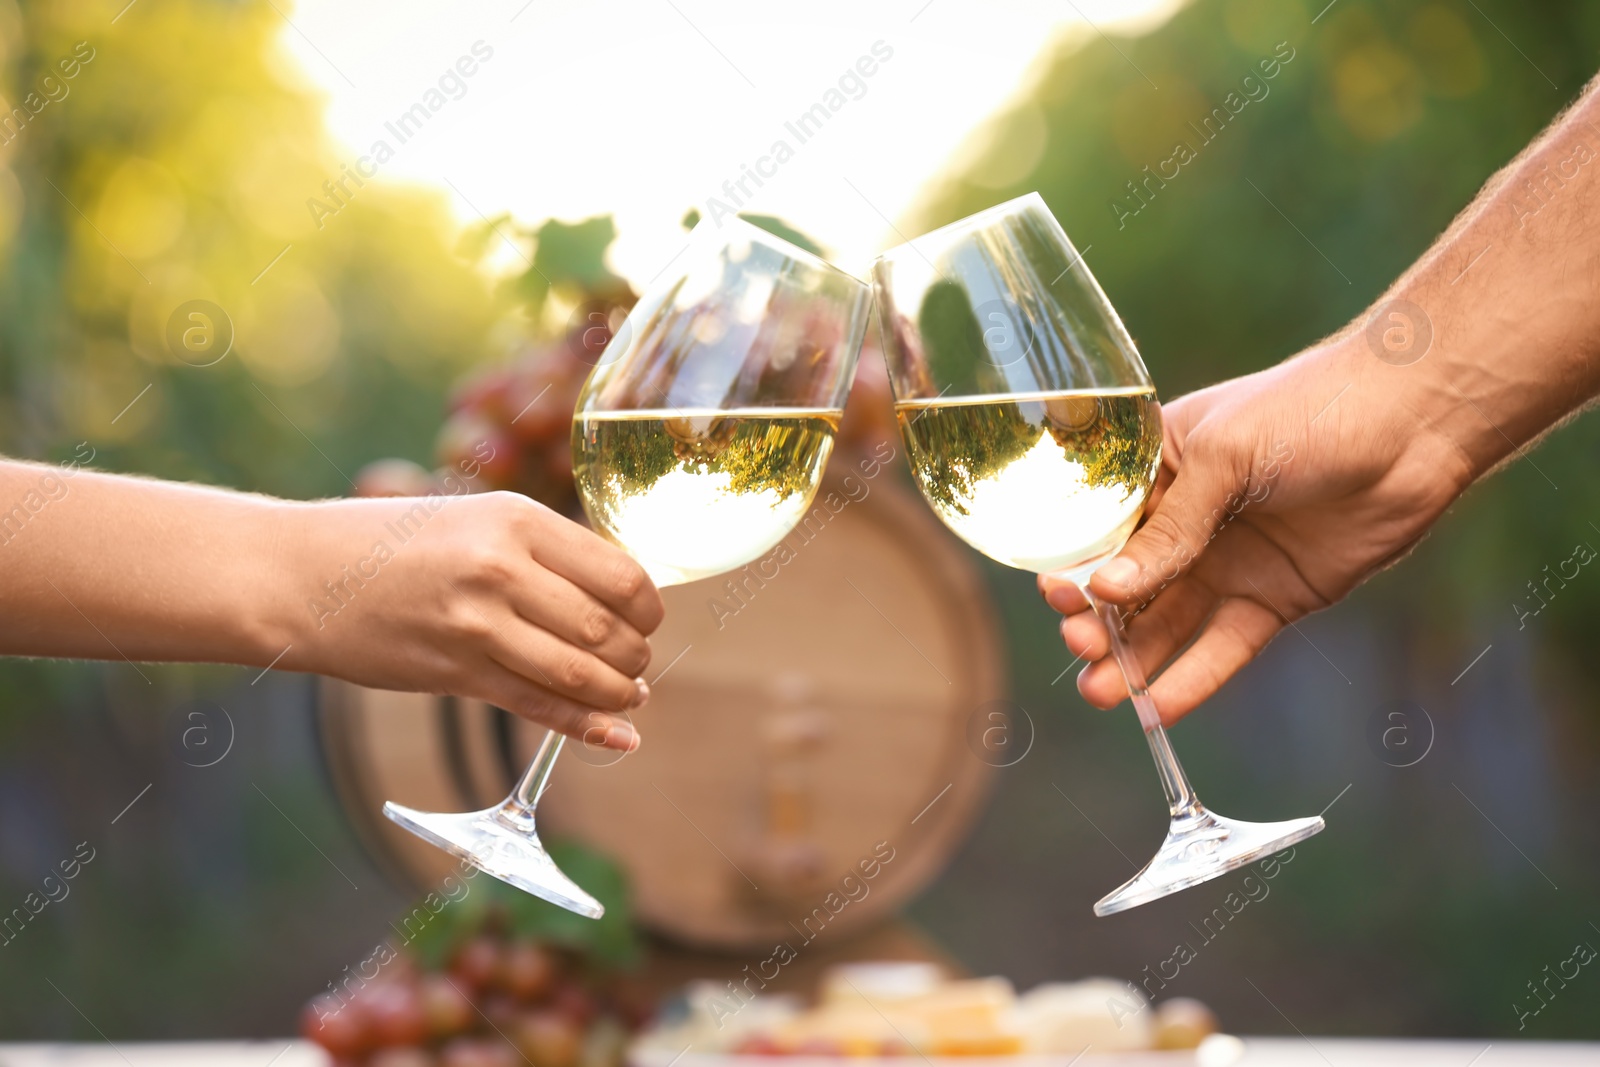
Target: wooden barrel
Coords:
[[806, 754]]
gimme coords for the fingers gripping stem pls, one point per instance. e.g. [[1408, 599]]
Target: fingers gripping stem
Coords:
[[1132, 671]]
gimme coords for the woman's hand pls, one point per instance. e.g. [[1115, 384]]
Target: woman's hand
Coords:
[[490, 596], [1279, 493]]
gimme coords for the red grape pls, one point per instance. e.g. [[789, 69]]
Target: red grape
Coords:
[[395, 1013], [477, 963], [589, 329], [548, 1038], [541, 402], [477, 447], [484, 393], [575, 1003], [558, 463], [338, 1026], [447, 1008], [501, 1009], [528, 972]]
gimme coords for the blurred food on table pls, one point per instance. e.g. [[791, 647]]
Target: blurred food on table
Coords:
[[916, 1009], [482, 975]]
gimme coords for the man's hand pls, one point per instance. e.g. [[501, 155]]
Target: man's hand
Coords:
[[1279, 493], [1284, 490], [490, 596]]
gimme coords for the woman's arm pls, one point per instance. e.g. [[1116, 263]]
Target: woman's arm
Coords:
[[490, 596]]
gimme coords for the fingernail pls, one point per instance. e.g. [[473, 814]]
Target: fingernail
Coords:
[[1119, 572], [644, 693], [621, 735]]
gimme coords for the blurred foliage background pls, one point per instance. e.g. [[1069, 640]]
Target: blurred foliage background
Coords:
[[1425, 909]]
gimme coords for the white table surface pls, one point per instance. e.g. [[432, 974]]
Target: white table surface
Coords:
[[1255, 1052]]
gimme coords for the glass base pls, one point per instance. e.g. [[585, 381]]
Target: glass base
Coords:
[[498, 842], [1200, 846]]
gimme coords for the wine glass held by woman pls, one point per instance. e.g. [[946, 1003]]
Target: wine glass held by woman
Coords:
[[1033, 430], [698, 442]]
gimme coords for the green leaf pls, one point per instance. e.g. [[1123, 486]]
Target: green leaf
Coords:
[[609, 942], [574, 254], [771, 223], [778, 228]]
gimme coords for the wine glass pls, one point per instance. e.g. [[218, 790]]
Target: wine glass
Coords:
[[698, 443], [1033, 430]]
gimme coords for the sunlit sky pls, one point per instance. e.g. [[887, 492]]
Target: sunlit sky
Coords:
[[643, 108]]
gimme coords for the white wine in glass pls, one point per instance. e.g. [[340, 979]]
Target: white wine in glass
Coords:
[[698, 442], [1033, 430], [1041, 481], [651, 480]]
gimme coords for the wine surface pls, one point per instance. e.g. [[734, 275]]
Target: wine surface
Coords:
[[695, 493], [1040, 481]]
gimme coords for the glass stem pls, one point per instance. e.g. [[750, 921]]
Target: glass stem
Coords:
[[1180, 794], [531, 786]]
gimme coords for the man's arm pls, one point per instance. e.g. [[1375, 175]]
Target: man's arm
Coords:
[[490, 596], [1510, 289], [1283, 490]]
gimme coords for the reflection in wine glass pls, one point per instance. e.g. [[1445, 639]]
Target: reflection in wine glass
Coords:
[[698, 442], [1033, 430]]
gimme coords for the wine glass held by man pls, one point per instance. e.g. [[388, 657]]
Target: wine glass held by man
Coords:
[[489, 596], [1032, 429], [1283, 490]]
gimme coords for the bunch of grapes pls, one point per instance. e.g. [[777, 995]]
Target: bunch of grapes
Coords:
[[520, 415], [499, 1002]]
